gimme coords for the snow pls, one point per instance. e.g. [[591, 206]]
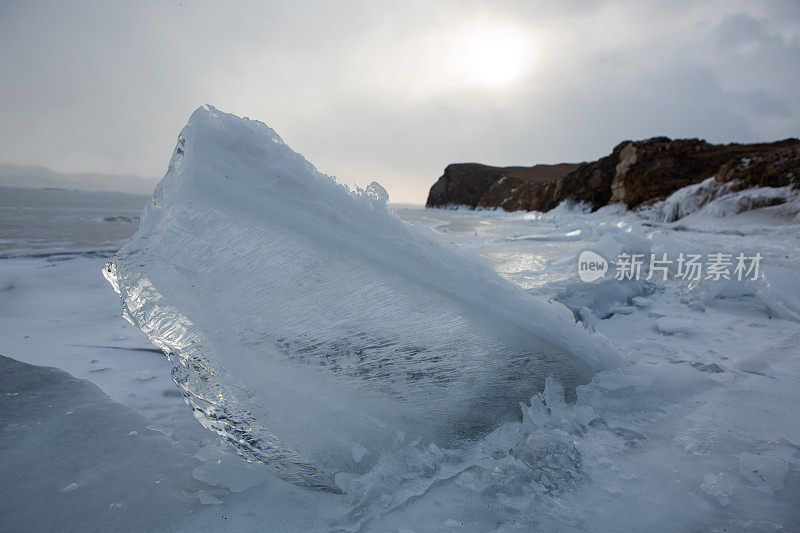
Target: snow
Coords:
[[665, 435], [697, 430], [677, 326]]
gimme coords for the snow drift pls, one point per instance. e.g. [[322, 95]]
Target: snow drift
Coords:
[[311, 327]]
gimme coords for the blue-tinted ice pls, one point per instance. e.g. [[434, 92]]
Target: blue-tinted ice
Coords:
[[311, 327]]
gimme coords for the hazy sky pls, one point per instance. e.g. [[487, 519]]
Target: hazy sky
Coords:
[[393, 91]]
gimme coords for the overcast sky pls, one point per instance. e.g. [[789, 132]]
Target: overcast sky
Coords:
[[393, 91]]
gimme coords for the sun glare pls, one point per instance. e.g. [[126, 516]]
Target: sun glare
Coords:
[[494, 57]]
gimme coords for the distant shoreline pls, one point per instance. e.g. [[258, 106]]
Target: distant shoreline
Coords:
[[70, 190], [39, 177]]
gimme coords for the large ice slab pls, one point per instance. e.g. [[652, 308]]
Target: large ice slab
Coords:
[[311, 327]]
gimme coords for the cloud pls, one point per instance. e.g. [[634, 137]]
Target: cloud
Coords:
[[742, 33], [388, 90]]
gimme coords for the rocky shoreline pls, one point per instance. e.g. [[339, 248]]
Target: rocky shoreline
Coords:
[[635, 173]]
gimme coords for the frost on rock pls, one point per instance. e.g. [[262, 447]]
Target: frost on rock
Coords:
[[721, 199], [689, 199], [309, 326]]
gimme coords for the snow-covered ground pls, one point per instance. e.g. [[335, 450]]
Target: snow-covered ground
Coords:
[[699, 429]]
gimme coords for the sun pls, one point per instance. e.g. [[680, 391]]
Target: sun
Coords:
[[494, 57], [484, 55]]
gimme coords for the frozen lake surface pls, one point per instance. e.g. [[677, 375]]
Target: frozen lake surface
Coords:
[[698, 430]]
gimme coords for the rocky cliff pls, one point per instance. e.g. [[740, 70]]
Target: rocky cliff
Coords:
[[635, 173], [478, 185]]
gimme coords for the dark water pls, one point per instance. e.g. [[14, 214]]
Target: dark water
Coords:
[[52, 221]]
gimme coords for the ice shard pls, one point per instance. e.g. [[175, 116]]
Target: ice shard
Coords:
[[310, 326]]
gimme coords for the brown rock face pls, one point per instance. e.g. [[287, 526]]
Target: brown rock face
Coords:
[[636, 172], [479, 185]]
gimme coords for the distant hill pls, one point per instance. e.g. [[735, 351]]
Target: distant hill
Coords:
[[32, 176]]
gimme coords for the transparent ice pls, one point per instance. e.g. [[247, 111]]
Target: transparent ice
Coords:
[[311, 327]]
